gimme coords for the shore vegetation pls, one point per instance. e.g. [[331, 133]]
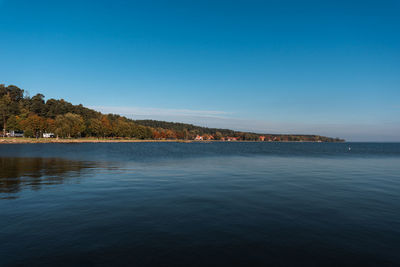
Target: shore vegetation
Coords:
[[35, 117]]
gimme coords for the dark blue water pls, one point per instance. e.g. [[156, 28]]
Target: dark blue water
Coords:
[[198, 204]]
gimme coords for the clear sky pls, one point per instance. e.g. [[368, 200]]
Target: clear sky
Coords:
[[321, 67]]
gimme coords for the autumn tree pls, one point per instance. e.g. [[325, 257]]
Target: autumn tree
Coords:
[[95, 127], [170, 134], [13, 123], [33, 126], [122, 128], [106, 127], [50, 125], [218, 136], [5, 110], [69, 125]]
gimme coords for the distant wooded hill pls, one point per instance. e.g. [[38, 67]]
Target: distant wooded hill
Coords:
[[35, 116]]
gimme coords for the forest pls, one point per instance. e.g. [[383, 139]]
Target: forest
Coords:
[[36, 116]]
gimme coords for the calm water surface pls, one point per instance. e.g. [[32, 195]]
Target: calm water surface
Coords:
[[198, 204]]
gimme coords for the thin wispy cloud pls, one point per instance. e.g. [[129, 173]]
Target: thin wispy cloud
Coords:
[[148, 111]]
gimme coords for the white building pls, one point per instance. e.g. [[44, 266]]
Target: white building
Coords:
[[48, 135]]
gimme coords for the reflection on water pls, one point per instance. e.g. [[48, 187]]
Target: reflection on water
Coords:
[[19, 173]]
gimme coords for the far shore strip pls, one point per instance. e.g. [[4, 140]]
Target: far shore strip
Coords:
[[23, 140]]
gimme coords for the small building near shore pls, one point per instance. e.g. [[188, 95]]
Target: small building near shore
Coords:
[[15, 134], [49, 135]]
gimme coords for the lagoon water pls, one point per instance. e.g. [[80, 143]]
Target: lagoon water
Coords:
[[200, 204]]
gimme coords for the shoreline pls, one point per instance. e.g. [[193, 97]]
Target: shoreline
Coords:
[[80, 140], [23, 140]]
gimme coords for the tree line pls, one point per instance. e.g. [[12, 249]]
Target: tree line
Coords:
[[35, 116]]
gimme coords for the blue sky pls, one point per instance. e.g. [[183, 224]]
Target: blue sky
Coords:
[[321, 67]]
